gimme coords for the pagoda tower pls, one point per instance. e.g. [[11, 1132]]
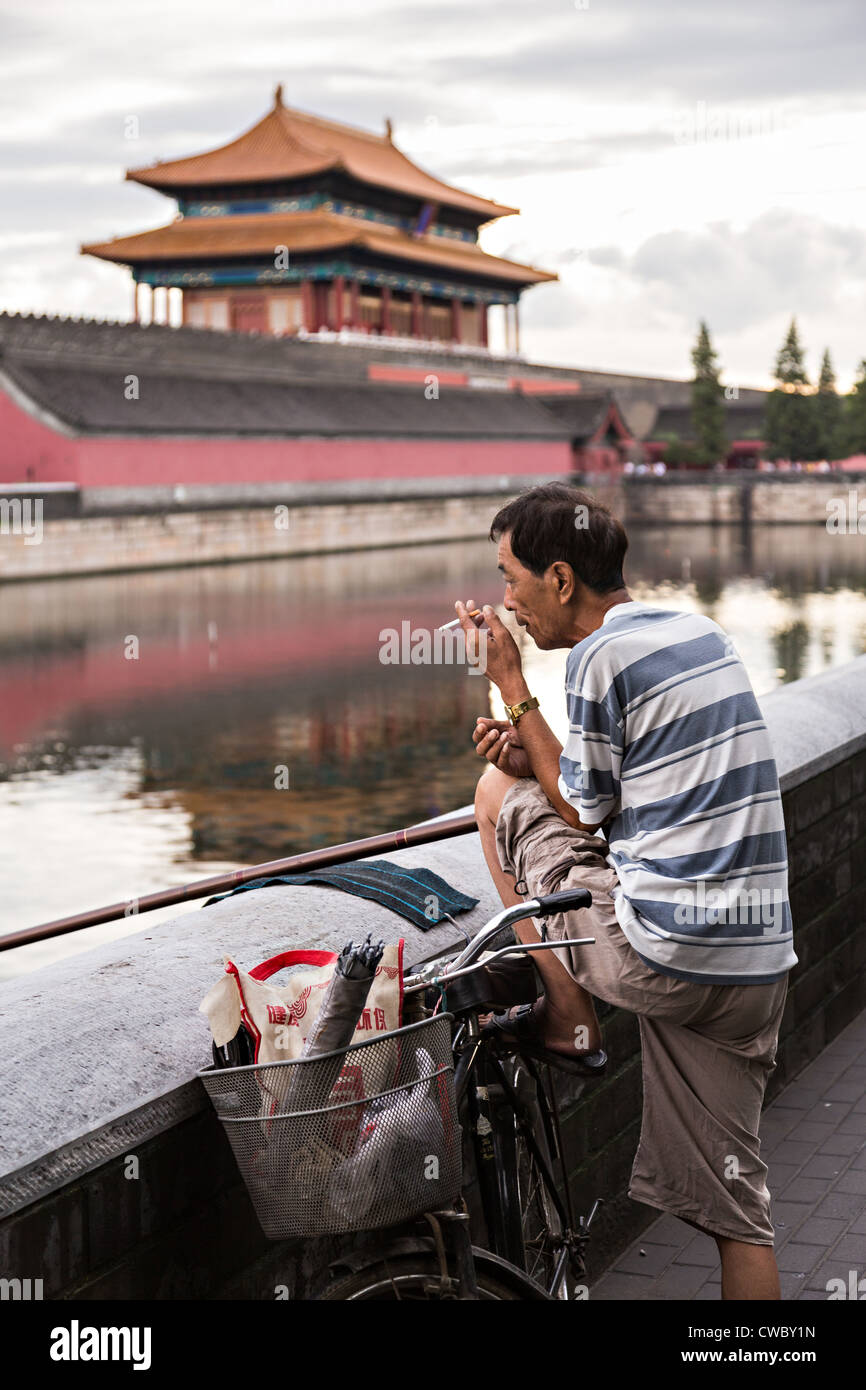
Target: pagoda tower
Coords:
[[305, 225]]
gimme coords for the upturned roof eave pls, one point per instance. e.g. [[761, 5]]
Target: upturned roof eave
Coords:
[[150, 177], [340, 240]]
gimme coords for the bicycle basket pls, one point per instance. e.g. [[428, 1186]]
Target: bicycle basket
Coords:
[[349, 1141]]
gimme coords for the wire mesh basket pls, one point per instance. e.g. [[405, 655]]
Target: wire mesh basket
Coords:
[[349, 1141]]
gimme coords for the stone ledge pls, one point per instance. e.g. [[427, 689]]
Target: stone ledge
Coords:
[[817, 723], [112, 501], [72, 1161]]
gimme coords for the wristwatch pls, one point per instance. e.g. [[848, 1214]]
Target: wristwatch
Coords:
[[515, 712]]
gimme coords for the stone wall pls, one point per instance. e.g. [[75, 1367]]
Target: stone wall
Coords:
[[103, 1049], [105, 530], [721, 499], [110, 542]]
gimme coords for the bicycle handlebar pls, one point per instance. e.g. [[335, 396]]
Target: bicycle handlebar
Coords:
[[567, 900], [412, 983]]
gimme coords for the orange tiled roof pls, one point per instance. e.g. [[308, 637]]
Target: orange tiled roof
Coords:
[[289, 144], [218, 238]]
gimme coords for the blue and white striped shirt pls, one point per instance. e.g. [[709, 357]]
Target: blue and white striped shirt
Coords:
[[666, 736]]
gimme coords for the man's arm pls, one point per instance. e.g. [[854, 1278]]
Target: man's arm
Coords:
[[539, 742], [543, 749]]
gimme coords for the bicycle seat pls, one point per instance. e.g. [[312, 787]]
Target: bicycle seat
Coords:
[[502, 982]]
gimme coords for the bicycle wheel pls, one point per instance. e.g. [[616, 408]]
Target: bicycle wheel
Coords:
[[542, 1227], [416, 1277]]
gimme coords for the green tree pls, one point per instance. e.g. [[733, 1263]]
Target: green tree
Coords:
[[792, 428], [708, 406], [852, 429], [828, 410], [678, 453]]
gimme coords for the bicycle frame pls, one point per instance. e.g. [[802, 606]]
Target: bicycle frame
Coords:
[[480, 1080], [478, 1076]]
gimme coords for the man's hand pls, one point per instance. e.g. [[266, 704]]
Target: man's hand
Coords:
[[499, 742], [496, 651]]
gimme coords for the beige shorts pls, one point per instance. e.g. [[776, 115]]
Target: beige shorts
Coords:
[[707, 1050]]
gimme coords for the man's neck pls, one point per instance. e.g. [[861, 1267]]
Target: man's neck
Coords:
[[612, 600], [591, 619]]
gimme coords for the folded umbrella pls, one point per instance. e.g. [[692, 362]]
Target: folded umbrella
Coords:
[[335, 1023]]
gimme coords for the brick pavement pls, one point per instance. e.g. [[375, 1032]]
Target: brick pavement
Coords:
[[813, 1140]]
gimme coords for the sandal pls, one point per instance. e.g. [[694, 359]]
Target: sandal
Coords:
[[521, 1027]]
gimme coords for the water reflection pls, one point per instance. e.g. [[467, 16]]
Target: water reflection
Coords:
[[145, 718]]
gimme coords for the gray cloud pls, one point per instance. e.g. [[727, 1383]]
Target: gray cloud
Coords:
[[684, 51], [781, 262], [541, 152], [610, 257]]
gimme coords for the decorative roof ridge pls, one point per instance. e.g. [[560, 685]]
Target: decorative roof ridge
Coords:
[[10, 319], [387, 139], [327, 123], [283, 115], [271, 117]]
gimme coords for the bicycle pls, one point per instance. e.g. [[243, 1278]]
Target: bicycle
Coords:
[[534, 1249], [433, 1092]]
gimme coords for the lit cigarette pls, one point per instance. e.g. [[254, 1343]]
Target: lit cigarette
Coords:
[[476, 613]]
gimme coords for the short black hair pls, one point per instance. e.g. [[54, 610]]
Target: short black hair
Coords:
[[543, 526]]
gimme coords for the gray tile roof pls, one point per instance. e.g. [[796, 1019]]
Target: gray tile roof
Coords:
[[580, 414], [584, 413], [202, 380], [94, 401], [741, 422], [47, 337], [235, 385]]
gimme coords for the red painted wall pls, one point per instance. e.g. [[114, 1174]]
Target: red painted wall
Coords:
[[30, 450], [146, 462], [595, 458]]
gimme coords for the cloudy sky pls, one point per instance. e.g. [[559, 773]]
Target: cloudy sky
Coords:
[[673, 161]]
